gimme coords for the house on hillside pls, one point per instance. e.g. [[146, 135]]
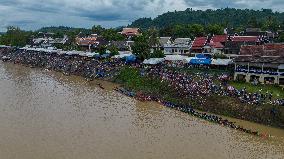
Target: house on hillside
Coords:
[[216, 44], [90, 42], [130, 32], [234, 43], [47, 41], [260, 64], [254, 32], [198, 44], [122, 45], [179, 46], [164, 41]]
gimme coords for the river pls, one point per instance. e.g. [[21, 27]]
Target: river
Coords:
[[46, 115]]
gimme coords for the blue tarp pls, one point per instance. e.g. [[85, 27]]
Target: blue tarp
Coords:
[[131, 58], [200, 61], [201, 56], [97, 55], [105, 55]]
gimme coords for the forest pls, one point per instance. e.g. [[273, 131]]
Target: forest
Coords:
[[228, 17], [189, 23]]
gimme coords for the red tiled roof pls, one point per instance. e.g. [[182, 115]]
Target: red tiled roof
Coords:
[[219, 38], [245, 38], [130, 31], [196, 48], [86, 41], [216, 45], [199, 43], [263, 50]]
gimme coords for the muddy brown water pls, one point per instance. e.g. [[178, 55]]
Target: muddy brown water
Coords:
[[46, 115]]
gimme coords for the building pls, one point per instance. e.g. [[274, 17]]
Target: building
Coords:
[[130, 32], [122, 45], [198, 44], [260, 64], [46, 41], [87, 41], [164, 41], [216, 44], [234, 43], [92, 41], [179, 46], [254, 32]]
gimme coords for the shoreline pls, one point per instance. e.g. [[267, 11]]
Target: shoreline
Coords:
[[220, 105], [212, 118]]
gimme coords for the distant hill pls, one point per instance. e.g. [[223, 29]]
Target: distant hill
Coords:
[[228, 17], [61, 30]]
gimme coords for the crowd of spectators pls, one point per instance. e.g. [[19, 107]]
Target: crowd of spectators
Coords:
[[195, 86]]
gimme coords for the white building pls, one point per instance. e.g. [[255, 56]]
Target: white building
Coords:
[[179, 46]]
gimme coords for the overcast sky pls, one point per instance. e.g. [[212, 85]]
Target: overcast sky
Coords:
[[33, 14]]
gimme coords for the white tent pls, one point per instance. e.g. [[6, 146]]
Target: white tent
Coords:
[[121, 56], [153, 61], [222, 62], [74, 52], [175, 58], [188, 59], [281, 67], [4, 46], [91, 54], [62, 52]]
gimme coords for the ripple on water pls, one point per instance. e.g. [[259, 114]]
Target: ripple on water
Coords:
[[48, 115]]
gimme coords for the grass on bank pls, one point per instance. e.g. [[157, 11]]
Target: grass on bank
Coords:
[[277, 91], [210, 71], [131, 78]]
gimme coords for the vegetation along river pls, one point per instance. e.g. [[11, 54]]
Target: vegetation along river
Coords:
[[46, 115]]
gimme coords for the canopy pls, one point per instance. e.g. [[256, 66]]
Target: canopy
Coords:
[[175, 58], [201, 56], [153, 61], [187, 60], [281, 67], [62, 52], [40, 50], [222, 62], [92, 54], [121, 56], [106, 55], [74, 52], [200, 61], [4, 46], [87, 54], [131, 58]]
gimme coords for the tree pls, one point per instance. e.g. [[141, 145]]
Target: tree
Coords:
[[215, 29], [141, 47], [157, 54], [112, 35], [227, 17], [253, 23], [15, 37], [271, 24], [281, 37], [113, 50], [153, 37], [220, 56], [98, 29], [196, 30], [102, 49]]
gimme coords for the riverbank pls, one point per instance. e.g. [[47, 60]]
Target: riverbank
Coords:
[[228, 106], [135, 78], [69, 117]]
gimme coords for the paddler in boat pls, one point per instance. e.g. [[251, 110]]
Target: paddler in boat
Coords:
[[100, 85]]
